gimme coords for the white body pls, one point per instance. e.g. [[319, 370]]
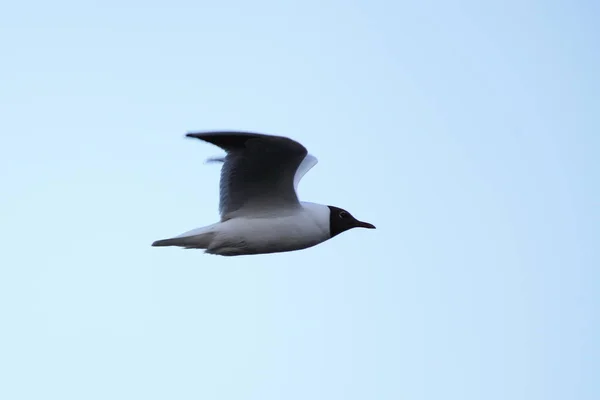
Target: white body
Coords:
[[301, 228]]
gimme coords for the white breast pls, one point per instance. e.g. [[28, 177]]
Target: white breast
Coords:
[[243, 235]]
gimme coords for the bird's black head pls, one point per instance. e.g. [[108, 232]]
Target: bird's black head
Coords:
[[341, 220]]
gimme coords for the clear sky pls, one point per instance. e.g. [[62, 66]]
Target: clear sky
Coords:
[[468, 132]]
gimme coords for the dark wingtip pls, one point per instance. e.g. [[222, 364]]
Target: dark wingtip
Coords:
[[225, 139], [232, 140], [213, 160], [225, 133]]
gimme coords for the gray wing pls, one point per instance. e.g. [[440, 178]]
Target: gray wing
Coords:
[[259, 171]]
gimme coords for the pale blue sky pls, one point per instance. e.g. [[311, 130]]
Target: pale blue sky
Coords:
[[467, 132]]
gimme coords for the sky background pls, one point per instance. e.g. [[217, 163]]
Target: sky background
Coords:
[[468, 132]]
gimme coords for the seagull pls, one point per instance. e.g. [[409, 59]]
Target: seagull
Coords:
[[259, 207]]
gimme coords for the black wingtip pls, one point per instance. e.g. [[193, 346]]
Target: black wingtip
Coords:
[[225, 139], [232, 140]]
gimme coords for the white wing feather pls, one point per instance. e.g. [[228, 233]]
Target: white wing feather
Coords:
[[305, 166]]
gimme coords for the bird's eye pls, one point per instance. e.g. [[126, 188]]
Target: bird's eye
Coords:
[[344, 214]]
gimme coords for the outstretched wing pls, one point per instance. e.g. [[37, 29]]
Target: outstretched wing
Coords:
[[260, 172]]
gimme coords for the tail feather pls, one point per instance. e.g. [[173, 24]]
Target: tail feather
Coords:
[[170, 242], [196, 239]]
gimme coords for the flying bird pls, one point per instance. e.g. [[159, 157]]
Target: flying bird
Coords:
[[259, 207]]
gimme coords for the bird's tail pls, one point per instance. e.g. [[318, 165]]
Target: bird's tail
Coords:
[[195, 239]]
